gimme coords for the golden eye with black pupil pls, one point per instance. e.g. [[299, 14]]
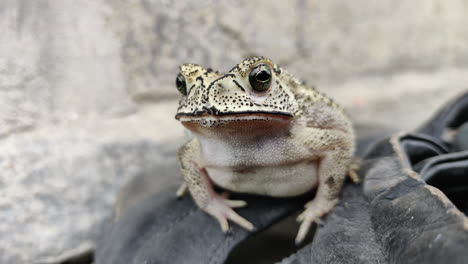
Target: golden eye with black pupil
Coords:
[[260, 77], [180, 84]]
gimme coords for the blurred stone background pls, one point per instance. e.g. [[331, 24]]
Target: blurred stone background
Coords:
[[87, 94]]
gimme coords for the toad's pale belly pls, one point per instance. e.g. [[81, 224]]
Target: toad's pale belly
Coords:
[[277, 181]]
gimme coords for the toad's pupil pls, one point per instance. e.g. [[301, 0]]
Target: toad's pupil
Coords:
[[180, 84], [179, 81], [260, 78], [263, 76]]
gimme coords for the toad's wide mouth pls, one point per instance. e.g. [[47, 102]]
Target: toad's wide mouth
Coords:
[[233, 116]]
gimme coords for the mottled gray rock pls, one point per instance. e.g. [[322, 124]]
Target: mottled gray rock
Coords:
[[58, 193], [318, 41], [25, 98], [58, 59], [62, 60]]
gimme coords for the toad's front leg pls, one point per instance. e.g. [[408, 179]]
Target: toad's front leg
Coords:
[[335, 153], [200, 187]]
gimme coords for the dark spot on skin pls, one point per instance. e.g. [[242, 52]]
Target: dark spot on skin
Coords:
[[235, 68], [193, 72], [277, 70], [238, 85], [330, 182]]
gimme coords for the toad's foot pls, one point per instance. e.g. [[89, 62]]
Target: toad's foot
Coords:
[[182, 190], [353, 169], [221, 208], [314, 210]]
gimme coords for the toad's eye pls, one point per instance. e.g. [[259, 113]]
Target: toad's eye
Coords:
[[260, 77], [180, 84]]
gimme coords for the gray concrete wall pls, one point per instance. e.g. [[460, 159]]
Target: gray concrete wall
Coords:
[[103, 72]]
